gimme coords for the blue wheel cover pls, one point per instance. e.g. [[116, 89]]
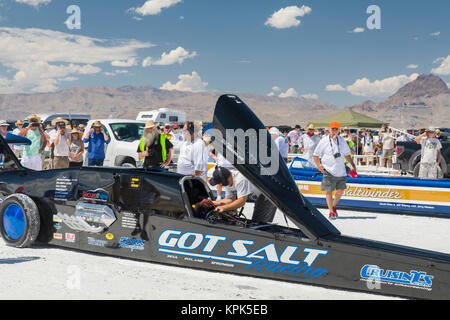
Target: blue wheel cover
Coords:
[[14, 221]]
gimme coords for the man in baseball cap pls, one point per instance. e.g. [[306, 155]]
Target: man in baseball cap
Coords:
[[329, 158], [4, 128], [237, 190], [430, 156]]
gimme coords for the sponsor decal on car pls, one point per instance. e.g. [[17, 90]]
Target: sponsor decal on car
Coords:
[[292, 261], [57, 236], [64, 187], [413, 278], [129, 220], [135, 183], [56, 218], [131, 243], [109, 236], [70, 237], [97, 242], [97, 195], [2, 160]]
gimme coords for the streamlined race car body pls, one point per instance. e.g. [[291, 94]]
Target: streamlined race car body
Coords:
[[153, 215]]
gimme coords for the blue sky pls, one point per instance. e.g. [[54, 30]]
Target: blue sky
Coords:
[[232, 46]]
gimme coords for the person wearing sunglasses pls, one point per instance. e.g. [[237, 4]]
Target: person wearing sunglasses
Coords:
[[329, 157]]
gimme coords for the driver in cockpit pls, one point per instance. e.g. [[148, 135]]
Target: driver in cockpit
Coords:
[[237, 190]]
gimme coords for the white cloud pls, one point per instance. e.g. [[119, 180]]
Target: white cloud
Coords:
[[290, 93], [287, 17], [416, 38], [116, 72], [444, 68], [379, 88], [125, 63], [154, 7], [412, 66], [334, 87], [357, 30], [34, 3], [177, 55], [186, 82], [276, 88], [271, 94], [435, 34], [41, 59], [310, 96]]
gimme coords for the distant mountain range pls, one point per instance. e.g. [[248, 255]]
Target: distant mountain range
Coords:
[[422, 102], [126, 102]]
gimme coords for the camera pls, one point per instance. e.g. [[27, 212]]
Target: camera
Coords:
[[337, 155]]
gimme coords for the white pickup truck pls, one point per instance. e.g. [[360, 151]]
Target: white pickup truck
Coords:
[[125, 136]]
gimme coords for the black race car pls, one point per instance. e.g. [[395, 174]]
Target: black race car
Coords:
[[158, 216]]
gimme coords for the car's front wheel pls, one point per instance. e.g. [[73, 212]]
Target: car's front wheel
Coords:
[[19, 221]]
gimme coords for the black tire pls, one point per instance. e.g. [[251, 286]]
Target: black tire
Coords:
[[416, 170], [125, 162], [19, 221], [444, 166], [128, 165]]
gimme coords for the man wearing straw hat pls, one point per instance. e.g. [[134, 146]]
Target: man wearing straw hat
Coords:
[[310, 142], [154, 147], [62, 142], [97, 138], [32, 154]]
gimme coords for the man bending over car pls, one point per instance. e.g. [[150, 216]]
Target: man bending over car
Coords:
[[237, 190]]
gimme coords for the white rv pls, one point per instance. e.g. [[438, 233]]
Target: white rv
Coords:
[[163, 115]]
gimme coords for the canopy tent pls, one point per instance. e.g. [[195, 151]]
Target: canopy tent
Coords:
[[350, 119]]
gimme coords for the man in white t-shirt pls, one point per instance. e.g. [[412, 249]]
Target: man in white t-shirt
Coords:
[[388, 138], [295, 139], [329, 157], [237, 190], [193, 158], [430, 154], [282, 143], [310, 142], [62, 142]]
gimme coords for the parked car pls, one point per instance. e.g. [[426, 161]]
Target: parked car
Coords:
[[125, 136]]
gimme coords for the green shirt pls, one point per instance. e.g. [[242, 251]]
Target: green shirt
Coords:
[[33, 149]]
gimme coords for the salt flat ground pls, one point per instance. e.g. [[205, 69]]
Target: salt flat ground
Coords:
[[53, 273]]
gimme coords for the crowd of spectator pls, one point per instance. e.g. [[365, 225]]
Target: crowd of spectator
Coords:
[[62, 145]]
